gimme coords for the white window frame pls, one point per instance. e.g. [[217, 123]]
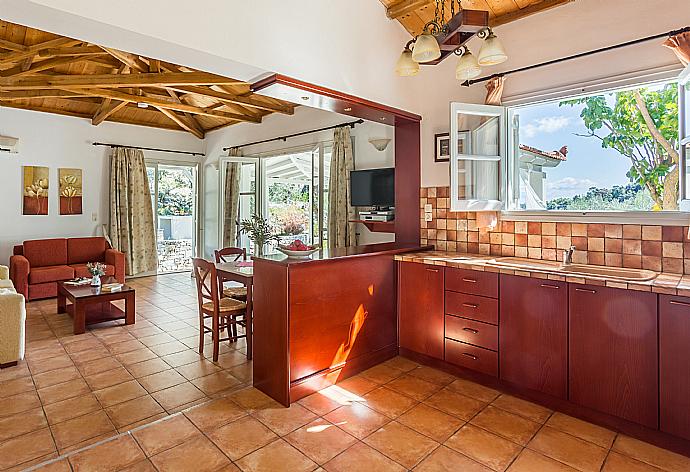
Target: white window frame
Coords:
[[680, 217]]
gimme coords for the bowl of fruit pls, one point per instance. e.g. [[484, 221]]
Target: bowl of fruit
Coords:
[[297, 249]]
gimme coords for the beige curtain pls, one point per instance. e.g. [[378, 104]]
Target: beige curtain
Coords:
[[494, 90], [132, 230], [232, 199], [341, 232], [680, 44]]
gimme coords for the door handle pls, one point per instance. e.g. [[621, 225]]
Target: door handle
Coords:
[[472, 281], [471, 356], [585, 290], [470, 305], [550, 286], [676, 302], [471, 330]]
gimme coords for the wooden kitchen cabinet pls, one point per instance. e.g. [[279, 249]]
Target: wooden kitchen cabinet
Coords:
[[674, 365], [533, 346], [420, 308], [613, 352]]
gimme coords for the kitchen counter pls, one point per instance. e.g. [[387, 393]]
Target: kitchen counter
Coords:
[[665, 283], [329, 254]]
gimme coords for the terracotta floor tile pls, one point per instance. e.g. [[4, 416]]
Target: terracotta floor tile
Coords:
[[389, 402], [68, 409], [215, 414], [402, 444], [579, 454], [619, 463], [522, 407], [133, 357], [18, 403], [364, 458], [474, 390], [357, 419], [148, 367], [216, 382], [251, 398], [530, 461], [91, 355], [241, 437], [323, 403], [80, 429], [230, 359], [55, 377], [156, 339], [52, 363], [168, 348], [98, 366], [358, 385], [198, 369], [432, 375], [178, 395], [132, 411], [445, 459], [242, 372], [431, 422], [652, 455], [165, 434], [484, 447], [119, 393], [401, 363], [283, 420], [22, 423], [16, 386], [161, 380], [63, 391], [515, 428], [181, 358], [18, 371], [108, 379], [112, 455], [382, 374], [141, 466], [278, 455], [145, 422], [413, 387], [198, 454], [320, 440], [25, 448], [57, 466], [455, 404], [582, 429], [124, 347]]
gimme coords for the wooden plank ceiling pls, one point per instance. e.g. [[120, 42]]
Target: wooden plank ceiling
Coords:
[[414, 14], [45, 72]]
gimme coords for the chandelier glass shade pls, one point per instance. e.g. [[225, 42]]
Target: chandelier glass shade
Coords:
[[491, 52], [406, 66], [426, 48], [467, 67]]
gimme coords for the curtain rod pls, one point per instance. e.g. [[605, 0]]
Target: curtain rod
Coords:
[[172, 151], [351, 124], [577, 56]]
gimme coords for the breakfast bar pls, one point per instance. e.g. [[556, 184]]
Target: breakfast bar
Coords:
[[323, 319]]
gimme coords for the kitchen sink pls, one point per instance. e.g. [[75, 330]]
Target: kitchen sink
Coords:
[[619, 273], [525, 264]]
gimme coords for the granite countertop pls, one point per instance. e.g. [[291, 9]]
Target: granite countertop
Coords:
[[327, 254], [665, 283]]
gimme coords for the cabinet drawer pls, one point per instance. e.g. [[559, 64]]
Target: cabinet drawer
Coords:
[[472, 306], [472, 332], [474, 282], [472, 357]]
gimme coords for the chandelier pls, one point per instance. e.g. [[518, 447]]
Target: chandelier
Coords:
[[439, 38]]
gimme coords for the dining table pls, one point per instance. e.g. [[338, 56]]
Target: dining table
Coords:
[[238, 271]]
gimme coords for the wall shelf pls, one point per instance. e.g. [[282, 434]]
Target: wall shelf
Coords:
[[378, 226]]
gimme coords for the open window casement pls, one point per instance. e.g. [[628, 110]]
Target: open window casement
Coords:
[[684, 136], [478, 144]]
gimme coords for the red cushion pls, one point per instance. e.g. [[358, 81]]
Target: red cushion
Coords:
[[41, 275], [83, 250], [80, 270], [46, 252]]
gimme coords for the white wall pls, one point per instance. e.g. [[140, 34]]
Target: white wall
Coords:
[[61, 141], [304, 119]]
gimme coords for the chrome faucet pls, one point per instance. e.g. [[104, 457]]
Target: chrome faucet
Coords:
[[568, 255]]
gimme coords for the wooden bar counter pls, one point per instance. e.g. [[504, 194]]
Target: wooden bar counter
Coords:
[[323, 319]]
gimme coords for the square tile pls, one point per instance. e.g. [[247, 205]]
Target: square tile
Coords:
[[619, 463], [474, 390], [178, 395], [241, 437], [523, 408], [25, 448], [589, 432], [649, 454], [455, 404], [357, 419], [389, 402], [530, 461], [80, 429], [198, 454], [68, 409], [161, 380], [165, 434], [431, 422], [216, 382], [117, 454], [277, 455], [283, 420], [215, 414], [484, 447], [402, 444], [362, 457], [132, 411], [432, 375], [581, 455], [108, 379], [119, 393], [320, 440], [22, 423], [381, 374], [512, 427], [198, 369], [413, 387], [148, 367], [63, 391]]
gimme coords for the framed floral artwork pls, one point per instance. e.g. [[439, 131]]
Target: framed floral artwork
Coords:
[[35, 192], [70, 191]]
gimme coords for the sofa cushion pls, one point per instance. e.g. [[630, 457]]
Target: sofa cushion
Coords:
[[46, 252], [41, 275], [80, 270], [6, 284], [47, 290], [83, 250]]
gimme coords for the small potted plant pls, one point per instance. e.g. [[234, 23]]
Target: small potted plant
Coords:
[[97, 270], [259, 231]]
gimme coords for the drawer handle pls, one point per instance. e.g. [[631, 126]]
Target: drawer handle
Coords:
[[550, 286], [675, 302], [470, 305], [585, 290], [471, 330], [472, 281], [471, 356], [432, 270]]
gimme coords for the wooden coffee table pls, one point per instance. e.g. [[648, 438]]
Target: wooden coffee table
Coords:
[[88, 305]]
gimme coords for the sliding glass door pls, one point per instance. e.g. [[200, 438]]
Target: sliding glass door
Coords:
[[174, 200]]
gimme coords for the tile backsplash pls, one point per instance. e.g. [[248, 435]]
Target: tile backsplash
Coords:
[[658, 248]]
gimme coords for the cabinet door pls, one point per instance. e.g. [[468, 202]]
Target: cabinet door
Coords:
[[420, 308], [533, 337], [674, 365], [613, 352]]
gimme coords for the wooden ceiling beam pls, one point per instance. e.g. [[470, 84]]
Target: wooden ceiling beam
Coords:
[[107, 108], [21, 69], [405, 7], [184, 122], [12, 46], [235, 99], [14, 57], [159, 102], [110, 80], [527, 11], [29, 94], [73, 51], [132, 60]]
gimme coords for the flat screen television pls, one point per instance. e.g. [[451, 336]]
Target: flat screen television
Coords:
[[372, 187]]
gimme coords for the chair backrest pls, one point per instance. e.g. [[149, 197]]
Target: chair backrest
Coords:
[[230, 254], [206, 282]]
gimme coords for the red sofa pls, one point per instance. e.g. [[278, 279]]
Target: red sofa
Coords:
[[37, 266]]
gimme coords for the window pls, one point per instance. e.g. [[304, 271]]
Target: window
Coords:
[[613, 151]]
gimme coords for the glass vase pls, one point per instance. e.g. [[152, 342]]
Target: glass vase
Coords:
[[96, 281]]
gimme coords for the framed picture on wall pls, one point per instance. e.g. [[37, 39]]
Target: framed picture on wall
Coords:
[[442, 145]]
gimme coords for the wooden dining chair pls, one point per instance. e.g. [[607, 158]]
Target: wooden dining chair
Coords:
[[232, 254], [223, 312]]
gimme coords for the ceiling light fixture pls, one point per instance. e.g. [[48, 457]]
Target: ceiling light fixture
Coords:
[[142, 105], [439, 39], [380, 144]]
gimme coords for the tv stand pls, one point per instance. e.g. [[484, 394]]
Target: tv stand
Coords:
[[378, 226]]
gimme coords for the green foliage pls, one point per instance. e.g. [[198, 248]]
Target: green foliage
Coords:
[[258, 229], [290, 219], [622, 127], [279, 192], [175, 194], [632, 197]]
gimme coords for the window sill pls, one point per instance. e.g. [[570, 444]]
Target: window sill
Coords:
[[669, 218]]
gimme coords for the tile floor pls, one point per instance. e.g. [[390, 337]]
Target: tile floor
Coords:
[[62, 412]]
